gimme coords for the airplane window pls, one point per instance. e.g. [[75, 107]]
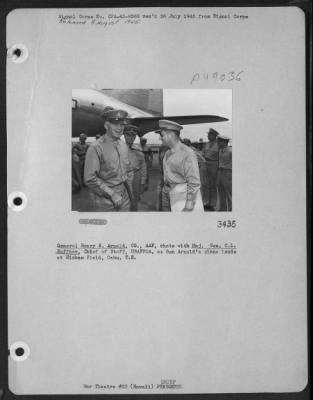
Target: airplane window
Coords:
[[74, 104]]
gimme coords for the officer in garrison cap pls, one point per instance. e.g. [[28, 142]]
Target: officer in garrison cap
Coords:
[[137, 160], [108, 172], [210, 153], [224, 174], [181, 189]]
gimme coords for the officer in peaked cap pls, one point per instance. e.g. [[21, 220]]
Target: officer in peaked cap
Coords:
[[213, 132], [137, 160], [224, 175], [210, 153], [166, 125], [223, 138], [115, 116], [108, 172], [181, 188]]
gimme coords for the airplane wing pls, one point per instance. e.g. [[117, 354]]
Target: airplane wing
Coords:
[[88, 105], [149, 124]]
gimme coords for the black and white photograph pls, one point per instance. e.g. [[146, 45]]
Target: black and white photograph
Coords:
[[151, 150], [138, 262]]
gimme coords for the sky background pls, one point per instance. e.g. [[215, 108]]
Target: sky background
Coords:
[[197, 102]]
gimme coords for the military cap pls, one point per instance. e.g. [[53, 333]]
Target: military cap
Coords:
[[213, 132], [167, 125], [83, 135], [223, 137], [131, 129], [115, 115]]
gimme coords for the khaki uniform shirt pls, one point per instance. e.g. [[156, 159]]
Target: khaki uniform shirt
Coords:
[[107, 165], [210, 151], [81, 150], [180, 166]]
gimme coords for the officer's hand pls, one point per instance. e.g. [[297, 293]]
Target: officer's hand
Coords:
[[117, 200], [187, 209], [189, 206]]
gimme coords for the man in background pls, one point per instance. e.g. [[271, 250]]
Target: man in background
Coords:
[[148, 158], [211, 155], [76, 172], [137, 160], [202, 167], [224, 175], [80, 149], [162, 151]]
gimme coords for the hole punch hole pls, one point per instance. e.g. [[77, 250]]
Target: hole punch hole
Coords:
[[18, 53], [19, 351], [17, 201]]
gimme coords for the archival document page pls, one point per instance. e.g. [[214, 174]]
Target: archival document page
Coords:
[[156, 200]]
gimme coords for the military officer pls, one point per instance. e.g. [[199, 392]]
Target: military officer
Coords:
[[210, 153], [224, 174], [162, 151], [76, 172], [108, 172], [148, 157], [80, 149], [138, 163], [181, 189]]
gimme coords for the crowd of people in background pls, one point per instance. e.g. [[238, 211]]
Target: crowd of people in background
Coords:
[[192, 177]]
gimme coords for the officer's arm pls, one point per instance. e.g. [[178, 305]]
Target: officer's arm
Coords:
[[191, 170], [91, 174]]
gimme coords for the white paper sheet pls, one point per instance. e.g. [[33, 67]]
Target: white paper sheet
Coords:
[[193, 322]]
